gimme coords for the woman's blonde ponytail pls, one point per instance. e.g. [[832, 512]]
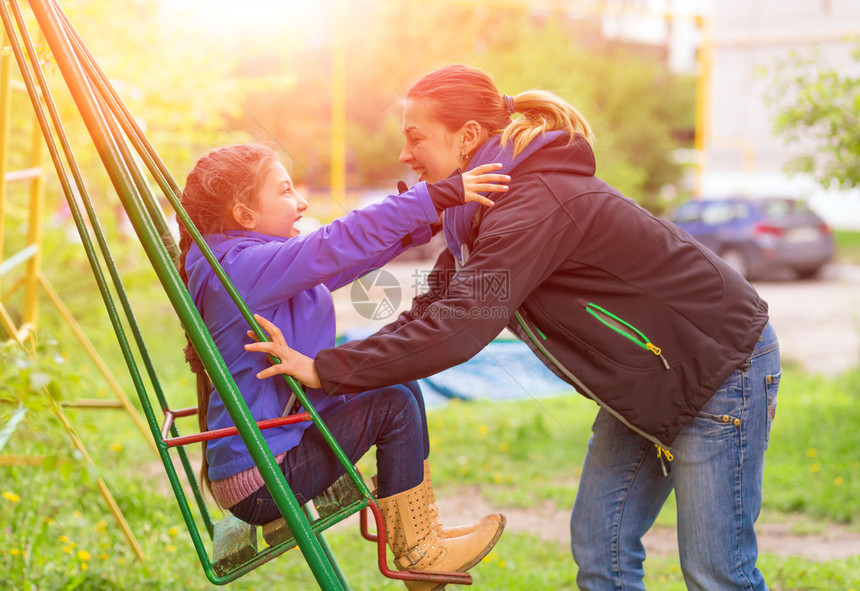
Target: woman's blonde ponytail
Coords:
[[543, 111]]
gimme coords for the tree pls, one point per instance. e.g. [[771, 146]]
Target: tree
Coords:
[[819, 103]]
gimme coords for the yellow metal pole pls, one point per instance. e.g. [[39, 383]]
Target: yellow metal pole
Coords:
[[703, 101], [34, 232], [99, 362], [5, 110], [6, 461], [9, 325], [103, 488], [338, 104]]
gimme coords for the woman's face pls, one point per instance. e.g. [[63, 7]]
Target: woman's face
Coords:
[[429, 147], [279, 205]]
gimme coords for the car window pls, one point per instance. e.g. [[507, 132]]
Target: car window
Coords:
[[690, 212], [780, 208], [717, 213]]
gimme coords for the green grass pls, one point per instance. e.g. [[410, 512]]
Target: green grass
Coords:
[[518, 454], [848, 246]]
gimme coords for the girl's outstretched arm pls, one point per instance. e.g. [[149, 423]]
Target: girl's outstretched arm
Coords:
[[291, 363]]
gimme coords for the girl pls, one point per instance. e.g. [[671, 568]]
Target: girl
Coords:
[[243, 202], [586, 274]]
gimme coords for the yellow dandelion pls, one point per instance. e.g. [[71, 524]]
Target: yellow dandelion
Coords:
[[78, 514], [483, 429], [101, 526], [502, 564], [811, 452], [815, 467], [84, 566], [10, 496], [83, 555], [115, 447], [503, 446], [170, 548], [172, 531], [103, 556], [49, 520], [838, 481], [14, 552], [464, 469], [120, 560], [67, 550], [497, 478], [63, 539], [73, 545]]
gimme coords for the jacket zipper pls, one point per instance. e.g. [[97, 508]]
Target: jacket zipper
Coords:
[[663, 450], [625, 329]]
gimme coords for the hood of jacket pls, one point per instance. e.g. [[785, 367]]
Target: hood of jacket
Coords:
[[575, 157]]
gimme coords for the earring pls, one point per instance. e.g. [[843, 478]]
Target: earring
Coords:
[[463, 155]]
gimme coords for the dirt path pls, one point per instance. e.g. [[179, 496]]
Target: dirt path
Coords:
[[551, 523]]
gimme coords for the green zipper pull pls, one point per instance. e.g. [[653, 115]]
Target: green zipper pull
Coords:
[[642, 341]]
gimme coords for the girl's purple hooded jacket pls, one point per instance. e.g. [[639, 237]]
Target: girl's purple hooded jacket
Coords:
[[289, 281]]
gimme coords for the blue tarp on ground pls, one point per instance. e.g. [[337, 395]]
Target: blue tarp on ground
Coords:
[[503, 370]]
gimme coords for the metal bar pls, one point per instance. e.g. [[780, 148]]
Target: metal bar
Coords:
[[5, 120], [93, 354], [103, 488], [129, 124], [25, 174], [91, 403], [36, 100], [123, 183], [6, 461], [45, 93], [12, 424], [9, 325], [19, 258], [34, 231], [230, 431]]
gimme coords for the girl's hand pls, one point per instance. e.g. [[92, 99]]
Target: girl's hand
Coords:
[[292, 362], [481, 178]]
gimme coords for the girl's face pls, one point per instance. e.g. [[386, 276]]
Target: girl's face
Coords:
[[279, 205], [430, 148]]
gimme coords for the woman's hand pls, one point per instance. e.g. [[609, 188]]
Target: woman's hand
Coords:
[[481, 178], [292, 362]]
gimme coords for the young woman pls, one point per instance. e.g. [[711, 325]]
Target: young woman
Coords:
[[242, 200], [673, 345]]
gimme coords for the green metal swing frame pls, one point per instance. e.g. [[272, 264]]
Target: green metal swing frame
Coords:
[[120, 142]]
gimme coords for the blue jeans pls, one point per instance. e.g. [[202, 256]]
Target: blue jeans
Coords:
[[391, 418], [717, 477]]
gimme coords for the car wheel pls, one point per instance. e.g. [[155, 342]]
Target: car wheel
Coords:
[[807, 272], [737, 261]]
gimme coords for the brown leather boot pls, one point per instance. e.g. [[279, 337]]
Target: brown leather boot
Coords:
[[432, 507], [457, 530], [413, 537]]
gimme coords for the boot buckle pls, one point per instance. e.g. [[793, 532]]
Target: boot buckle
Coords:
[[412, 557]]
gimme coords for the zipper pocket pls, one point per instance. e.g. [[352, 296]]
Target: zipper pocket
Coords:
[[663, 450], [625, 329]]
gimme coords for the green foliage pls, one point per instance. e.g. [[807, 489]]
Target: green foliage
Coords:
[[819, 106], [33, 379], [848, 245], [514, 454], [813, 461], [635, 104]]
